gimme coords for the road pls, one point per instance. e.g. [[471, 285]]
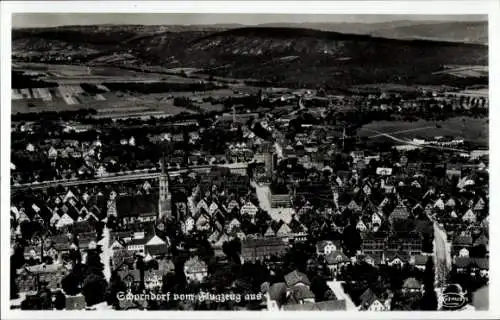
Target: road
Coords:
[[415, 144], [336, 287], [263, 193], [402, 131], [106, 253], [124, 177]]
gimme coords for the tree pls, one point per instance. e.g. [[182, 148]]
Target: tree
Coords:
[[141, 266], [59, 300], [94, 289], [232, 249], [116, 285], [94, 264], [71, 284], [351, 240], [429, 298], [45, 296], [31, 302]]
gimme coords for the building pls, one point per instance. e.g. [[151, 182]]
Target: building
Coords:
[[280, 200], [262, 248], [195, 269], [165, 199], [370, 302]]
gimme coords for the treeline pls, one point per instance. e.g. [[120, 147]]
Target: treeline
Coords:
[[22, 81], [91, 88], [105, 38], [159, 87], [66, 115]]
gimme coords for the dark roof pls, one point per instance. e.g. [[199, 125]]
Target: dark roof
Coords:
[[336, 257], [263, 242], [277, 291], [137, 242], [411, 283], [136, 205], [301, 292], [421, 259], [296, 277], [75, 302], [158, 249], [400, 212], [367, 298], [331, 305], [424, 226], [464, 262], [462, 241], [299, 307], [83, 226]]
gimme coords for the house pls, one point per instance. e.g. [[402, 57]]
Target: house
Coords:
[[157, 247], [233, 204], [299, 295], [461, 242], [64, 221], [325, 247], [357, 156], [474, 266], [31, 277], [396, 260], [263, 248], [353, 206], [370, 302], [361, 226], [153, 279], [296, 278], [411, 285], [336, 260], [439, 204], [249, 208], [376, 219], [275, 295], [140, 242], [269, 232], [419, 261], [284, 231], [399, 213], [195, 269], [469, 216], [233, 225]]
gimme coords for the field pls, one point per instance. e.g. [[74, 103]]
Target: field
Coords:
[[471, 129]]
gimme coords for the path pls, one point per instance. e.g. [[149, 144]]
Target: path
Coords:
[[263, 193], [336, 287], [106, 253], [401, 131], [415, 144]]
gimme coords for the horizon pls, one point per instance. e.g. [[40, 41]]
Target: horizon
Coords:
[[50, 20]]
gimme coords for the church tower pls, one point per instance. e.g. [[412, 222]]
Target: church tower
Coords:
[[165, 199]]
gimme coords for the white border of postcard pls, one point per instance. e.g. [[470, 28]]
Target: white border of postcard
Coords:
[[490, 7]]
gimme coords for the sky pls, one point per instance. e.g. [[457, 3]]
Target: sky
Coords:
[[40, 20]]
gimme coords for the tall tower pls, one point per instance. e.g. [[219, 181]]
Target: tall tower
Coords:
[[165, 199]]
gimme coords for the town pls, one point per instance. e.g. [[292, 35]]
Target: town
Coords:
[[213, 195]]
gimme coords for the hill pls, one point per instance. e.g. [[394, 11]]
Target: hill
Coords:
[[460, 31], [291, 56], [467, 32], [318, 57]]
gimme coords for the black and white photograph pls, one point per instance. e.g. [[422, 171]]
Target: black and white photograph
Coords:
[[247, 162]]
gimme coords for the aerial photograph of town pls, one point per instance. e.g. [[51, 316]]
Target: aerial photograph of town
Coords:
[[249, 162]]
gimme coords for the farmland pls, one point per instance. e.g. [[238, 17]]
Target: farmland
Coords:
[[471, 129]]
